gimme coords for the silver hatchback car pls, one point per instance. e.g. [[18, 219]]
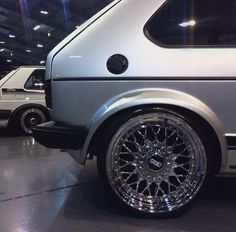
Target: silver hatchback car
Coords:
[[148, 87]]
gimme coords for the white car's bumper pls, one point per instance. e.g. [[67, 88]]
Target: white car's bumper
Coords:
[[4, 117]]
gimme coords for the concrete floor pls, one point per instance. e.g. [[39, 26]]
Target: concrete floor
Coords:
[[45, 190]]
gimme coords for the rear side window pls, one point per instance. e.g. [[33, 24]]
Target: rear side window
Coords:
[[36, 80], [194, 23]]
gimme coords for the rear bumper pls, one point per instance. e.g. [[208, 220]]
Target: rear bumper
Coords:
[[4, 117], [60, 136], [5, 114], [4, 123]]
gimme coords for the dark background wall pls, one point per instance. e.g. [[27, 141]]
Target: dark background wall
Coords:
[[29, 29]]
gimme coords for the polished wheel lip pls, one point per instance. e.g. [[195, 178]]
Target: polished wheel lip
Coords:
[[167, 202]]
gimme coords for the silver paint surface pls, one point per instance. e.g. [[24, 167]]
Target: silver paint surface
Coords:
[[94, 101], [120, 30], [205, 74]]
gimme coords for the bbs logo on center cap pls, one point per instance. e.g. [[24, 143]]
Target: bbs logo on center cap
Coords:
[[155, 163]]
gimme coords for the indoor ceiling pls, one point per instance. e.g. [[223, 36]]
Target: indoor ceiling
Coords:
[[29, 29]]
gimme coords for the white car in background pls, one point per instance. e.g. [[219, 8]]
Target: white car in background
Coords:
[[22, 101]]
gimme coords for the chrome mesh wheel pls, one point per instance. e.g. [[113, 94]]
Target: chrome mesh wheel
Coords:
[[156, 162]]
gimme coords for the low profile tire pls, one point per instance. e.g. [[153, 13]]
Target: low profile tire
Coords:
[[154, 162], [29, 118]]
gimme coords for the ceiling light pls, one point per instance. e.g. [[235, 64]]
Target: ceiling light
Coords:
[[188, 23], [36, 27], [2, 42], [39, 45], [12, 36], [42, 62], [28, 50], [2, 50], [9, 61], [44, 12]]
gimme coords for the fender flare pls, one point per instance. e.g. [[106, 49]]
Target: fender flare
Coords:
[[154, 96]]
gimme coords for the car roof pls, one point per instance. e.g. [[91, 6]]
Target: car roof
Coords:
[[33, 66]]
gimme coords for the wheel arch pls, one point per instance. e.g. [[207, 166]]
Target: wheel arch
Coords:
[[165, 98], [21, 108], [97, 136]]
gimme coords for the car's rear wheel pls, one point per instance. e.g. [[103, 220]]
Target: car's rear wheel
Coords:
[[29, 118], [155, 163]]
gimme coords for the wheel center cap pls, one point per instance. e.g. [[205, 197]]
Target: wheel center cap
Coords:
[[33, 121], [155, 163]]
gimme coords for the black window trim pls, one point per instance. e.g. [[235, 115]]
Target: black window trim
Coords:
[[155, 41], [33, 90]]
